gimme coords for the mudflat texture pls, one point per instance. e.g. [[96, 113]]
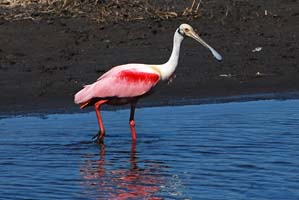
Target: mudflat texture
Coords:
[[44, 62]]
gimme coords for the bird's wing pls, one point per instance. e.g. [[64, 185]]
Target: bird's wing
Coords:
[[118, 69], [122, 81]]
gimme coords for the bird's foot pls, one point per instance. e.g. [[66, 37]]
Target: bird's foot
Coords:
[[99, 138]]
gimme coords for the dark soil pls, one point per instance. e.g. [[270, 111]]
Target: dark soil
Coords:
[[44, 62]]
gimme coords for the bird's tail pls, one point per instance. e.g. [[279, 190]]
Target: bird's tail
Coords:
[[83, 96]]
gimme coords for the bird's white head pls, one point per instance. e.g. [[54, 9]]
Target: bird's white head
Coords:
[[187, 30]]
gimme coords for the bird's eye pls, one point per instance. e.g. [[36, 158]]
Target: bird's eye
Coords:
[[186, 29]]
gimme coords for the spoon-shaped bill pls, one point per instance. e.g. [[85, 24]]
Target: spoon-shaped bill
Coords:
[[214, 52]]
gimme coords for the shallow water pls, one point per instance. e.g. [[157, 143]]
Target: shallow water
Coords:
[[247, 150]]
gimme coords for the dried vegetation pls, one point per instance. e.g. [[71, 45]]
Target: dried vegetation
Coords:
[[100, 10]]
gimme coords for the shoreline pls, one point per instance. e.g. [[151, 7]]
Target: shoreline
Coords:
[[146, 104]]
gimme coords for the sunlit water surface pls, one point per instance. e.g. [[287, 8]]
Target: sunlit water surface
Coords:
[[246, 150]]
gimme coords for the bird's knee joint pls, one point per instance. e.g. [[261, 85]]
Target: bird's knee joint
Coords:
[[132, 123]]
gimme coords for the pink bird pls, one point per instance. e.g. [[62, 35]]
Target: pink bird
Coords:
[[125, 84]]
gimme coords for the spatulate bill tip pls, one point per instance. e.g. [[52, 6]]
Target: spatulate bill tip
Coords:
[[216, 55]]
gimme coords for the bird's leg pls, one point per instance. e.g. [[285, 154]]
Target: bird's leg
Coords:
[[131, 121], [101, 133]]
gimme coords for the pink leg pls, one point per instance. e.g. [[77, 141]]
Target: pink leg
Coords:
[[132, 122], [101, 133]]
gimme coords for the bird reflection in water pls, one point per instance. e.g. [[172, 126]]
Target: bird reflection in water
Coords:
[[132, 183]]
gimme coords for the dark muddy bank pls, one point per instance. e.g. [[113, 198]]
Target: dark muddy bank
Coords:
[[43, 63]]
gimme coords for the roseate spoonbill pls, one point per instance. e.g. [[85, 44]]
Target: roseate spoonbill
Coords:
[[125, 84]]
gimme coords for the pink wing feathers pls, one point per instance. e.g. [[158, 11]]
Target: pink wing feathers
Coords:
[[122, 81]]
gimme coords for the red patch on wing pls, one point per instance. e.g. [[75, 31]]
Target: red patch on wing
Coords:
[[135, 76]]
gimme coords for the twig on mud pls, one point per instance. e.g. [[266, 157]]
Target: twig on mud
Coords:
[[192, 10], [66, 3], [160, 14], [225, 15]]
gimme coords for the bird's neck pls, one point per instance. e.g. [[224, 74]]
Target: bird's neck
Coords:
[[168, 69]]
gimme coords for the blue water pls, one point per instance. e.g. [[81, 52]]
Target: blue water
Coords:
[[247, 150]]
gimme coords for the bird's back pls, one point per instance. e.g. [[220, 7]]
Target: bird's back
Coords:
[[131, 80]]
